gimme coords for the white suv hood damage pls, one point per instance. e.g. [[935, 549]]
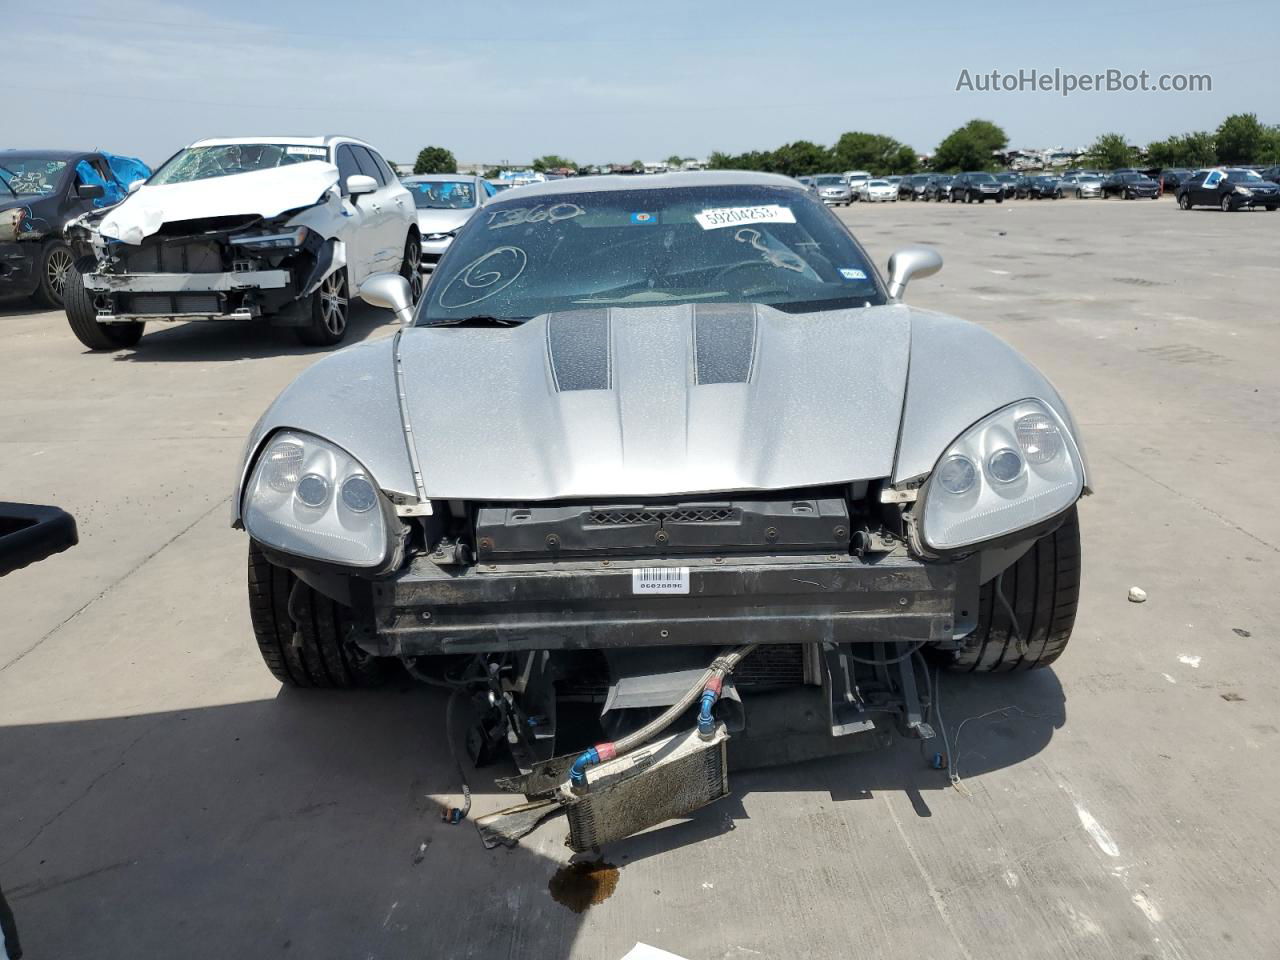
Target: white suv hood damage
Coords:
[[266, 193]]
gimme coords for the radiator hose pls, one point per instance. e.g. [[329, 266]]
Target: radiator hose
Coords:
[[708, 686]]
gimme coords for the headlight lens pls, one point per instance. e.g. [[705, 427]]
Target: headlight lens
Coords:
[[1032, 470], [272, 241], [290, 503]]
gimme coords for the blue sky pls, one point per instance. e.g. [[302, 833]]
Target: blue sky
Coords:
[[506, 81]]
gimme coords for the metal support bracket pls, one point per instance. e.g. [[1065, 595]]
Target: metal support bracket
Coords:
[[846, 707]]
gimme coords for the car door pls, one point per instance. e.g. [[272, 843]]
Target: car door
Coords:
[[357, 231], [1210, 187], [399, 207], [388, 242]]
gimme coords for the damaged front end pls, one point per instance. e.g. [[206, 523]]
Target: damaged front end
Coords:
[[583, 634], [241, 267]]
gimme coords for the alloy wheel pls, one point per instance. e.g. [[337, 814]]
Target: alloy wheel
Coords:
[[57, 268], [413, 266], [333, 302]]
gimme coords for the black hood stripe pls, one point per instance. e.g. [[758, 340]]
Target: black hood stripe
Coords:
[[578, 343], [724, 343]]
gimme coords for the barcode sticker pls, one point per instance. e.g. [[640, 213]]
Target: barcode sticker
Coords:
[[660, 580]]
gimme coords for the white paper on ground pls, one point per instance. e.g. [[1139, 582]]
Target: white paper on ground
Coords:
[[642, 951]]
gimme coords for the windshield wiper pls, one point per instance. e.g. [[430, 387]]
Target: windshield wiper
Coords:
[[478, 319]]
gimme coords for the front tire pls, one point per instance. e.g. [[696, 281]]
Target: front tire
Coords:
[[317, 651], [1043, 590], [1227, 205], [1184, 202], [330, 308], [82, 314]]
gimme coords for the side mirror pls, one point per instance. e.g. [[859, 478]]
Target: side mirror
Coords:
[[133, 187], [389, 291], [358, 184], [911, 262], [90, 191]]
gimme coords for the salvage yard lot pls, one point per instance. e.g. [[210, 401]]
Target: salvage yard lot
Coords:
[[162, 796]]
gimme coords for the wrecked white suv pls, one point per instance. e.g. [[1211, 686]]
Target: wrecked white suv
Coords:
[[276, 229]]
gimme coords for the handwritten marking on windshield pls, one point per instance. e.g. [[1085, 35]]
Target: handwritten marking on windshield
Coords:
[[535, 214], [784, 259], [490, 274]]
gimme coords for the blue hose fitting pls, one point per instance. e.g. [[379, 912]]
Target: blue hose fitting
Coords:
[[578, 772], [706, 722]]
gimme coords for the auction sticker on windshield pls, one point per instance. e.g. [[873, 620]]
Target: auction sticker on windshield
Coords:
[[306, 151], [718, 217], [659, 580]]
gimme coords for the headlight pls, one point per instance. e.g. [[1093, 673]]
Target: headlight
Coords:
[[309, 498], [436, 237], [1244, 191], [272, 241], [1015, 468]]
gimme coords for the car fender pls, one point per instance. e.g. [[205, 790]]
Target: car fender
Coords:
[[348, 398], [958, 374]]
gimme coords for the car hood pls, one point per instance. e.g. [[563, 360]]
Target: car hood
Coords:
[[263, 193], [656, 401], [443, 221]]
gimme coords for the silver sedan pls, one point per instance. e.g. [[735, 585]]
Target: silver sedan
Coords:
[[445, 201]]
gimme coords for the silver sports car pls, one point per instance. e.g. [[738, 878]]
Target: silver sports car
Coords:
[[660, 454]]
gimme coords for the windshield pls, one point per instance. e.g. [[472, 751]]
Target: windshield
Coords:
[[830, 181], [572, 251], [223, 160], [982, 178], [1242, 176], [878, 183], [31, 176], [442, 194]]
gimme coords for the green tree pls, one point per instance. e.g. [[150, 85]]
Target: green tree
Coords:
[[971, 147], [637, 166], [674, 161], [1241, 139], [552, 161], [874, 152], [493, 173], [1186, 150], [800, 158], [1109, 151], [1270, 147], [435, 160]]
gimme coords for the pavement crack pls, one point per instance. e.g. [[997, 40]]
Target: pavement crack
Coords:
[[1227, 521], [36, 887], [88, 789], [113, 584]]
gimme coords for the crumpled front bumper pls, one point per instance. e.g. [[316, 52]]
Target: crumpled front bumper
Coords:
[[187, 282], [428, 609]]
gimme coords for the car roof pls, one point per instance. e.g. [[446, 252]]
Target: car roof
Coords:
[[439, 177], [657, 181], [320, 141], [67, 155]]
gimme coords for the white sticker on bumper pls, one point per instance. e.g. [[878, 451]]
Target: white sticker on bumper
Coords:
[[660, 580]]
